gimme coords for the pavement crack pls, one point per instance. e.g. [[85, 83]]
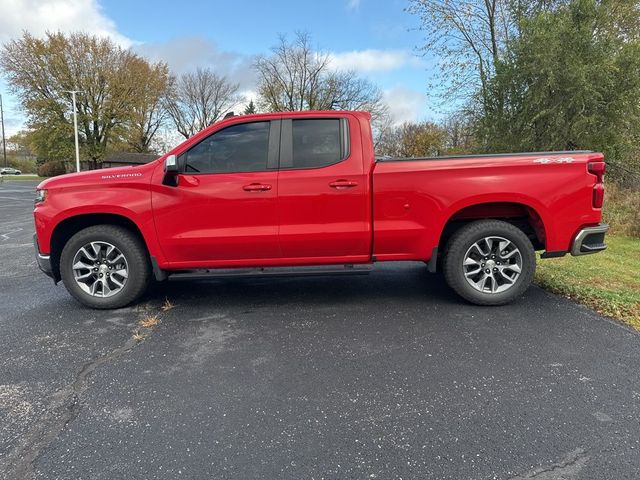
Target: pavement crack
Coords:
[[62, 410], [64, 407], [567, 469]]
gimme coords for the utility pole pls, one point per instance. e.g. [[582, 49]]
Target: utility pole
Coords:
[[4, 142], [75, 126]]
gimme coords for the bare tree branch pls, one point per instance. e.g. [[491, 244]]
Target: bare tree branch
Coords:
[[297, 77], [198, 99]]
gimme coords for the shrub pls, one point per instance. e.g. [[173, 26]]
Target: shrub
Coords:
[[52, 169], [622, 210]]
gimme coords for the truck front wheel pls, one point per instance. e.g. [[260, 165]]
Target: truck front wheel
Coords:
[[105, 266], [489, 262]]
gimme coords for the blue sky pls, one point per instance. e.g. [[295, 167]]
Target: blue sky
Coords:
[[377, 38]]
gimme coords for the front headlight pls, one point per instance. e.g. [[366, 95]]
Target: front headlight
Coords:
[[41, 196]]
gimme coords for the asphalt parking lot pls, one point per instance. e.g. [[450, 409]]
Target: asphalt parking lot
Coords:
[[387, 375]]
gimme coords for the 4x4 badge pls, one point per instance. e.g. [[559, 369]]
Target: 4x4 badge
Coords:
[[546, 161]]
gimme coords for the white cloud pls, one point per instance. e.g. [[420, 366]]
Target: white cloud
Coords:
[[40, 16], [373, 60], [187, 53], [353, 4], [248, 96], [405, 105]]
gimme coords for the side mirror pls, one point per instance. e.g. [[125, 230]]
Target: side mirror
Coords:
[[171, 164], [171, 171]]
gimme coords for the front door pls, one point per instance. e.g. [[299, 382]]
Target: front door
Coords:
[[223, 212]]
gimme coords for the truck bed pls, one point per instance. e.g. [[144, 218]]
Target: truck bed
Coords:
[[414, 198]]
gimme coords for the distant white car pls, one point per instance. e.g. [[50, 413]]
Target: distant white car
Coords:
[[10, 171]]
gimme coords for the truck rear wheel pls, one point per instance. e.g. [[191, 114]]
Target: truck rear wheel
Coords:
[[489, 262], [105, 266]]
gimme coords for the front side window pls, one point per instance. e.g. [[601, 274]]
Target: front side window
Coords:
[[238, 148], [316, 142]]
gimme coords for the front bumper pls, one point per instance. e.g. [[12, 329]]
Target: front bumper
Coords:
[[44, 261], [589, 240]]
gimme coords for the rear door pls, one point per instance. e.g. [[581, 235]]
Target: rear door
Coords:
[[323, 193]]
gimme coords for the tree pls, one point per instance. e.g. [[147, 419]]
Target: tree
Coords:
[[469, 38], [459, 134], [51, 140], [19, 144], [295, 77], [41, 71], [424, 139], [250, 109], [147, 110], [198, 99], [24, 145], [572, 81]]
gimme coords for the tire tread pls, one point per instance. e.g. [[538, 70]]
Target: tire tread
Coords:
[[460, 242], [137, 259]]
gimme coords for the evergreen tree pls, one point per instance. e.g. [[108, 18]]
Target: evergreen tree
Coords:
[[250, 109]]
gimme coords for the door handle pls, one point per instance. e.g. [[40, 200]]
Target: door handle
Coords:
[[342, 184], [256, 187]]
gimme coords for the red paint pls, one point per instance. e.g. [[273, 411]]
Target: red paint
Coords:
[[210, 218], [342, 213], [325, 212]]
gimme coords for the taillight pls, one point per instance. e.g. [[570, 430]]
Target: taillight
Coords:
[[598, 195], [597, 169]]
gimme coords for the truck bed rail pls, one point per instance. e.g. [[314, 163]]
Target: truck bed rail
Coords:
[[480, 155]]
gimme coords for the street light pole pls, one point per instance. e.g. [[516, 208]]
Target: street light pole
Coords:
[[75, 126], [4, 142]]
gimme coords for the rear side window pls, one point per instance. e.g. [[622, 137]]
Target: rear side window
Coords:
[[316, 142], [238, 148]]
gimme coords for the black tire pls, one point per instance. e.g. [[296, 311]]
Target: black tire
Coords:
[[134, 251], [465, 238]]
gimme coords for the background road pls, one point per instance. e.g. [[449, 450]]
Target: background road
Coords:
[[381, 376]]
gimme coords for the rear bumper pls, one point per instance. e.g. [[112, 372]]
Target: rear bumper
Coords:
[[589, 240], [44, 261]]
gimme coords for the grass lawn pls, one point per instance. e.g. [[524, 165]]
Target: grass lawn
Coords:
[[609, 281], [17, 178]]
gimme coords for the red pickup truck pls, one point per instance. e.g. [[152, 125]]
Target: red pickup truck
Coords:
[[305, 190]]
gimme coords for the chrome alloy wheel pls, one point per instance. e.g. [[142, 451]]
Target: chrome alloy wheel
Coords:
[[492, 264], [100, 269]]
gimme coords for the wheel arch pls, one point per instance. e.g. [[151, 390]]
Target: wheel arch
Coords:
[[521, 215], [68, 227]]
